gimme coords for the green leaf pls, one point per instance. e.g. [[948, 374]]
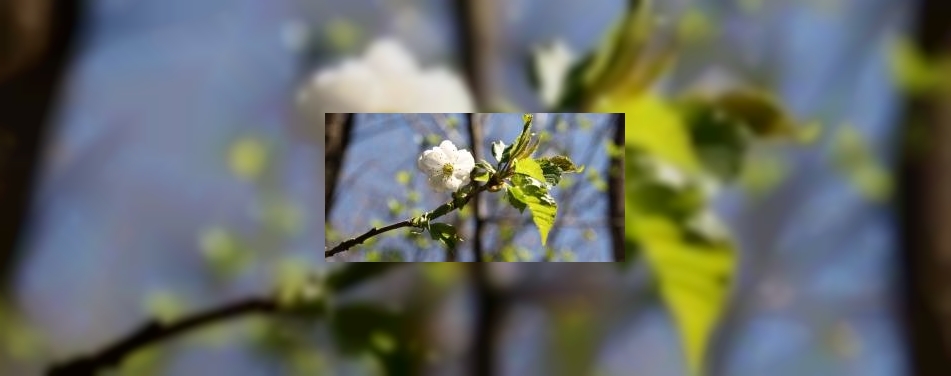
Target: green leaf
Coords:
[[445, 233], [660, 130], [759, 112], [543, 207], [355, 273], [514, 201], [363, 328], [554, 167], [530, 167], [694, 280], [483, 171], [517, 149], [498, 148]]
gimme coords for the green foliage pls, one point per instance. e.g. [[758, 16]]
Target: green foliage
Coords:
[[164, 306], [444, 233], [853, 156], [352, 274], [360, 329], [224, 251], [248, 157], [343, 35], [282, 216], [403, 177], [483, 171], [534, 195], [529, 167], [916, 73], [296, 288], [18, 339]]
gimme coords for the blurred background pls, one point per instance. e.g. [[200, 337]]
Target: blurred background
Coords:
[[154, 162]]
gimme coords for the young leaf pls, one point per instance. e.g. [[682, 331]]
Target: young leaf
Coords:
[[445, 233], [521, 143], [483, 171], [530, 167], [694, 279], [554, 167], [512, 200], [537, 199]]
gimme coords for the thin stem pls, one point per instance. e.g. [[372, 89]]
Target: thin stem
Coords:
[[435, 213], [155, 331]]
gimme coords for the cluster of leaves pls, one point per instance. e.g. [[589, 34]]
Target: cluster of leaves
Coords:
[[677, 153], [527, 182]]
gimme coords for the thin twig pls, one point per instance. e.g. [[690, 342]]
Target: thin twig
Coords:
[[435, 213]]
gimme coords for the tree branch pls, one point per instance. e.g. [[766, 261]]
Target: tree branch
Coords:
[[154, 332], [435, 213]]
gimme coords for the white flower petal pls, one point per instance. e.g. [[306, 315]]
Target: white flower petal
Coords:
[[463, 161], [389, 57], [386, 78], [453, 183], [432, 159], [448, 148], [553, 62]]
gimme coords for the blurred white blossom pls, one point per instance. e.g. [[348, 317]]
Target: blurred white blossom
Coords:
[[385, 79], [552, 64], [448, 168]]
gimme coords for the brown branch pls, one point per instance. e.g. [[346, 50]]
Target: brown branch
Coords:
[[154, 332], [435, 213], [347, 244]]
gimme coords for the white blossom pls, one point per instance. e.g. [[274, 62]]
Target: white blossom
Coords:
[[446, 167], [386, 78], [552, 64]]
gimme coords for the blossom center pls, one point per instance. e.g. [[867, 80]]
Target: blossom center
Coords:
[[447, 170]]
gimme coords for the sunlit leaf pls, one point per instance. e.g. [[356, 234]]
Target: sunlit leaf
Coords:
[[694, 280], [530, 167], [539, 202], [655, 128]]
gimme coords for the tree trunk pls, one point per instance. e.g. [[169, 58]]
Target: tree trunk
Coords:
[[36, 39], [337, 139], [926, 209]]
